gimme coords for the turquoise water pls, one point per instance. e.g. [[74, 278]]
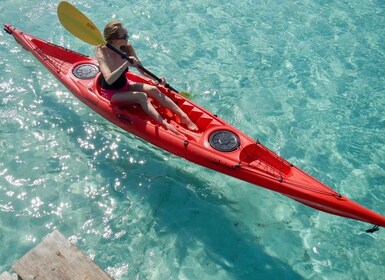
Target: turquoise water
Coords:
[[305, 78]]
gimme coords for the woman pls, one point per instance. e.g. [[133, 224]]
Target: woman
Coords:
[[119, 90]]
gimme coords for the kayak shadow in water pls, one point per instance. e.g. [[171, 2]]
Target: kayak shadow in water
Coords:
[[189, 221], [192, 223], [208, 238]]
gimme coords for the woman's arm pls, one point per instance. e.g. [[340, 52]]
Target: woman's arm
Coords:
[[109, 76]]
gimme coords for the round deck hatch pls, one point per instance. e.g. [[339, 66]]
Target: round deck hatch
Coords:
[[86, 71], [224, 141]]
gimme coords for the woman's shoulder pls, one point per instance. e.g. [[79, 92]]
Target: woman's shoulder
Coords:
[[101, 51], [101, 48]]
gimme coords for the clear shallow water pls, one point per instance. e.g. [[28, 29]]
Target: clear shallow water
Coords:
[[305, 78]]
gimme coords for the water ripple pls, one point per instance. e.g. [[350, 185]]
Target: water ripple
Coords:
[[306, 78]]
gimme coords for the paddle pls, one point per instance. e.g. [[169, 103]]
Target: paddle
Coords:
[[82, 27], [186, 94]]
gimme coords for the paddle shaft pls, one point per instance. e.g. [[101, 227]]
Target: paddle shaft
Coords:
[[124, 56]]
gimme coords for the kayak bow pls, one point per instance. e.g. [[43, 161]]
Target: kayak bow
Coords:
[[217, 145]]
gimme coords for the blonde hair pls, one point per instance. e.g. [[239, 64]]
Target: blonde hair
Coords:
[[111, 30]]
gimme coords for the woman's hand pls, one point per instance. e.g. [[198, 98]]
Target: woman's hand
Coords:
[[162, 82], [134, 61]]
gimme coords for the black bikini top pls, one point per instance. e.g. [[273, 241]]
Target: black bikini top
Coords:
[[118, 84]]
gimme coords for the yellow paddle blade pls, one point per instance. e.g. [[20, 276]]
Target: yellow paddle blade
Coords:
[[186, 94], [79, 25]]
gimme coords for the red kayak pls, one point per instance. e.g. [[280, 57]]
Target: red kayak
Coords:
[[216, 145]]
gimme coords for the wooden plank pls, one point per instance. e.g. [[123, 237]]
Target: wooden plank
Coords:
[[57, 258]]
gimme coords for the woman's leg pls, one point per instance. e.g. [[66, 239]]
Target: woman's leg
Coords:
[[153, 92], [128, 98]]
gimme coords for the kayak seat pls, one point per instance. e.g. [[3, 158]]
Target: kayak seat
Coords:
[[134, 108], [97, 87]]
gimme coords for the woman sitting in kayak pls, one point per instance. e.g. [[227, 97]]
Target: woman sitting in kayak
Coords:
[[119, 90]]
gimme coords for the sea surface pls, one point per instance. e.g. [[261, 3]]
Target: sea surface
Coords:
[[306, 78]]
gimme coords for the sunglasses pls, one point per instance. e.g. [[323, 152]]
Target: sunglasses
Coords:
[[125, 37]]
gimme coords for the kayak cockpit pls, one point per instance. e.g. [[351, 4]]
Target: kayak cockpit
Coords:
[[215, 135]]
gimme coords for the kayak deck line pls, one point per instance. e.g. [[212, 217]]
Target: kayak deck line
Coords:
[[216, 145]]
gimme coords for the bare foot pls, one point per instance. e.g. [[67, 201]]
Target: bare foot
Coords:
[[190, 125]]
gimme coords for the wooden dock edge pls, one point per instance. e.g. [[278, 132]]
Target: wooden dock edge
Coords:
[[56, 258]]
